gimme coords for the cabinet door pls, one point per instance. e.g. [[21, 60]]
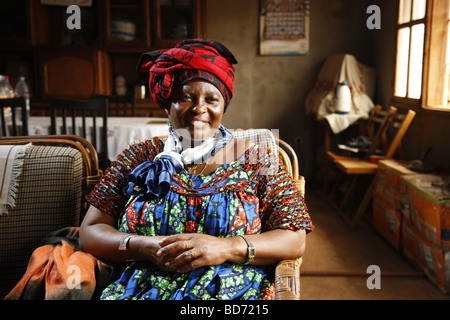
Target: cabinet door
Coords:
[[127, 23], [19, 25], [177, 20], [77, 76]]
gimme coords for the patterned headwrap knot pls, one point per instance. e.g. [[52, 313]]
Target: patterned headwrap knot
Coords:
[[189, 60]]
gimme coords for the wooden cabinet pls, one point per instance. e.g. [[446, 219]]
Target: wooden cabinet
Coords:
[[74, 73], [64, 63], [19, 25], [151, 23], [177, 20], [127, 23]]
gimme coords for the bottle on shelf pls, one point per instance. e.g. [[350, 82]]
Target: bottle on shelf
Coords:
[[5, 93], [2, 87], [8, 88], [23, 91]]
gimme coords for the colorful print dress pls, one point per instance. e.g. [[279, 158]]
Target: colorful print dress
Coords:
[[250, 195]]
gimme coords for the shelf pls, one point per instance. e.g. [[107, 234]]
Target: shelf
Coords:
[[144, 108], [71, 63]]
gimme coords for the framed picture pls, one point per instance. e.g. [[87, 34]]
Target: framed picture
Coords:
[[66, 3], [284, 27]]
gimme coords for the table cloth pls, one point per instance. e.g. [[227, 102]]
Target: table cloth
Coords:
[[122, 131]]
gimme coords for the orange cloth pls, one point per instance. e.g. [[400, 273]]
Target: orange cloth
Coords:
[[59, 272]]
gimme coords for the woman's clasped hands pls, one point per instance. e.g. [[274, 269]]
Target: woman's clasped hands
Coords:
[[187, 251]]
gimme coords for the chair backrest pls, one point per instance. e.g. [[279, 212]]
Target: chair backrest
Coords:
[[392, 128], [380, 123], [57, 173], [119, 106], [399, 125], [13, 104], [373, 116], [258, 136], [290, 160], [285, 152], [377, 117], [91, 171], [94, 108]]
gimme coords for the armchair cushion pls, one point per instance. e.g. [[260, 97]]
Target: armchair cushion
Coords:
[[48, 198]]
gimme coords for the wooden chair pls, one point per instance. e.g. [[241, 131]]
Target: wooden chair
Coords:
[[57, 173], [14, 104], [119, 106], [374, 130], [396, 127], [94, 108]]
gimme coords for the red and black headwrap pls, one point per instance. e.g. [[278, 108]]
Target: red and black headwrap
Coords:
[[190, 59]]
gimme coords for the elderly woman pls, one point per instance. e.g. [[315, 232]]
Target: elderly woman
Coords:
[[202, 215]]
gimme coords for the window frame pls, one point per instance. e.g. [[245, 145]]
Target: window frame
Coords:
[[429, 57]]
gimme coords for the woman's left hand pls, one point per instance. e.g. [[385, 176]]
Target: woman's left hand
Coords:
[[187, 251]]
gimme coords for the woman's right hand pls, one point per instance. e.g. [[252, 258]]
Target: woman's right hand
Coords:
[[99, 237], [145, 248]]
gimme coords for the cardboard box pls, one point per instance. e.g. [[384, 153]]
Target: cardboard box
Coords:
[[426, 208], [387, 221], [388, 181], [433, 260], [386, 214]]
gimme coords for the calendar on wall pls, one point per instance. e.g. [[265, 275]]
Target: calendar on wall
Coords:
[[284, 27]]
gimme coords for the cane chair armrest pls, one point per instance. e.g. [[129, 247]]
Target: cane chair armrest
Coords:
[[287, 279]]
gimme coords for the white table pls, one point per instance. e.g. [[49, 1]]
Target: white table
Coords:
[[122, 131]]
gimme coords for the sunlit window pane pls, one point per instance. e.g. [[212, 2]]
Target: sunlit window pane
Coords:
[[401, 81], [419, 9], [447, 73], [404, 14], [416, 61]]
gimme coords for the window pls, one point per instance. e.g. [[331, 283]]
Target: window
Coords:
[[422, 75]]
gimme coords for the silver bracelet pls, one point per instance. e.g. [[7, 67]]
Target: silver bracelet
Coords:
[[123, 242], [250, 249]]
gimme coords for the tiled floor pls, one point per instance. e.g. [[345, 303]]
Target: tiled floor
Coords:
[[347, 253]]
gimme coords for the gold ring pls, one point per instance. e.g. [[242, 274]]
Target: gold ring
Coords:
[[185, 245], [190, 254]]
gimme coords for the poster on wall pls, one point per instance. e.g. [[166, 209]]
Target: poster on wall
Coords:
[[284, 27], [66, 3]]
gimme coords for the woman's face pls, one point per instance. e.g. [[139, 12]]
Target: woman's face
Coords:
[[196, 108]]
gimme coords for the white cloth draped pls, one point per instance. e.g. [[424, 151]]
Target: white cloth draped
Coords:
[[321, 100], [11, 162]]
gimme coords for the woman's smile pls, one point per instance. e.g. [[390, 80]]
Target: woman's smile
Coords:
[[198, 123], [197, 107]]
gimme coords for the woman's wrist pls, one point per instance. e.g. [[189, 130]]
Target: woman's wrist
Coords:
[[238, 250], [143, 248]]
